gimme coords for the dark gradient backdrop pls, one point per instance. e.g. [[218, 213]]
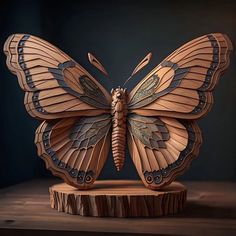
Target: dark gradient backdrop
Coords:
[[119, 33]]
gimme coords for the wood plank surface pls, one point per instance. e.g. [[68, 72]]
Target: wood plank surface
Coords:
[[25, 210]]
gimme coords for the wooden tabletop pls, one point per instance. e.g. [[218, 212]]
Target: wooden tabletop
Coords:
[[25, 210]]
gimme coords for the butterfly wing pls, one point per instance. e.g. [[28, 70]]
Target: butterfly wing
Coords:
[[75, 149], [61, 92], [179, 88], [55, 85], [161, 148]]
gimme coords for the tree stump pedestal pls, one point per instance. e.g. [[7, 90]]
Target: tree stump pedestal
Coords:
[[118, 198]]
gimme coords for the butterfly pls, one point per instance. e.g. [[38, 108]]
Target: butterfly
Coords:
[[81, 120]]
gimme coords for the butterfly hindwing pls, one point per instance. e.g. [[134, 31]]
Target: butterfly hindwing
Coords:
[[181, 86], [55, 85], [75, 149], [161, 147]]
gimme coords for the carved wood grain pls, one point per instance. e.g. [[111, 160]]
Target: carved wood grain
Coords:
[[59, 90], [159, 166], [59, 145], [118, 199], [206, 58], [36, 64]]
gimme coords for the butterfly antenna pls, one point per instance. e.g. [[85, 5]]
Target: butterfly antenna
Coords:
[[141, 64], [94, 61]]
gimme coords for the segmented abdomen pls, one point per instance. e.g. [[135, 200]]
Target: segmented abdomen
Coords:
[[118, 139]]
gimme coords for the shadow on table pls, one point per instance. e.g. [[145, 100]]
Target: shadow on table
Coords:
[[22, 232], [202, 210]]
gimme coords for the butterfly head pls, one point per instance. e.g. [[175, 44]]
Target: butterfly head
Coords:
[[119, 93]]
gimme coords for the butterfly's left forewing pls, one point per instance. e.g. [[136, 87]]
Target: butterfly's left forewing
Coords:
[[74, 138], [181, 88]]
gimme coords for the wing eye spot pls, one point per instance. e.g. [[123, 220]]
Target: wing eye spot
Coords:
[[23, 65], [213, 66], [157, 179], [22, 43], [149, 179], [88, 179], [73, 173], [20, 50], [62, 165]]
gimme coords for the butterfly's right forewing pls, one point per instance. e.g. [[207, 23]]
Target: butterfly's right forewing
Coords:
[[55, 85]]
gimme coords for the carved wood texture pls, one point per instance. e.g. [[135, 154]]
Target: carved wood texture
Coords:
[[74, 139], [80, 116], [118, 199], [119, 113]]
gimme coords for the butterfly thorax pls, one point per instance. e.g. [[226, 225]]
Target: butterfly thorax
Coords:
[[119, 113]]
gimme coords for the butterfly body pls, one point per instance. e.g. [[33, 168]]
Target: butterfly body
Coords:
[[119, 113], [81, 119]]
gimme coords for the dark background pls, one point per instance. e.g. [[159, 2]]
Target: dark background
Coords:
[[119, 33]]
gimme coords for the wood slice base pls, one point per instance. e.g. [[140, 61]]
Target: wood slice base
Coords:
[[118, 198]]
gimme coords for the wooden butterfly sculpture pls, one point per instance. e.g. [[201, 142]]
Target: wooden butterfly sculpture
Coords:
[[81, 119]]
